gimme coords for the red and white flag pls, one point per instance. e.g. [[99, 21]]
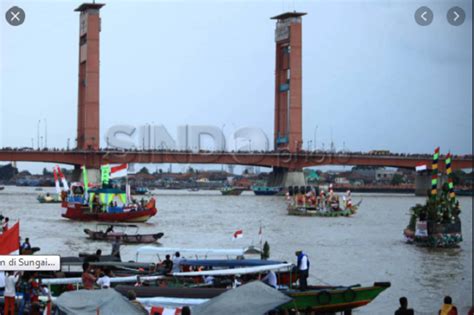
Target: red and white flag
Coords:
[[119, 171], [421, 167], [10, 240], [160, 310], [237, 234]]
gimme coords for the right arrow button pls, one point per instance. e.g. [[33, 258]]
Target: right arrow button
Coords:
[[456, 16]]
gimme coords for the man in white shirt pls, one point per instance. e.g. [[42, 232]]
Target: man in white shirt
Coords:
[[303, 269], [271, 279], [104, 281], [176, 262], [10, 292]]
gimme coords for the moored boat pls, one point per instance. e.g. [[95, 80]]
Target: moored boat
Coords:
[[110, 232], [327, 299], [48, 198], [266, 190], [231, 191]]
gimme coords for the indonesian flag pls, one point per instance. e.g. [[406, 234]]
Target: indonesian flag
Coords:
[[10, 240], [237, 234], [421, 167], [159, 310], [118, 171]]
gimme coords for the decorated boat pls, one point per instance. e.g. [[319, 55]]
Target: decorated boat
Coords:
[[305, 201], [266, 190], [437, 223], [105, 203], [126, 233], [231, 191], [110, 205]]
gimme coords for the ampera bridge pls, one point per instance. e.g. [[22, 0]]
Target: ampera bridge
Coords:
[[288, 158]]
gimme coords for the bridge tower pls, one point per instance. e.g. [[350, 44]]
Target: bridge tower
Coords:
[[88, 119], [288, 95], [288, 81]]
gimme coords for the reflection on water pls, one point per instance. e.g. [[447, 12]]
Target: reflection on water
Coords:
[[365, 248]]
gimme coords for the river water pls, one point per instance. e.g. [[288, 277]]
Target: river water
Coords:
[[365, 248]]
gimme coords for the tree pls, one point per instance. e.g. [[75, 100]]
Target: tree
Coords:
[[144, 170], [397, 179]]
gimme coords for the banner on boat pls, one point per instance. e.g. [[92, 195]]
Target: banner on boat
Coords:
[[10, 240]]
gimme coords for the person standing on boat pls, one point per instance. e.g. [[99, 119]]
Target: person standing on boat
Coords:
[[116, 248], [26, 245], [167, 264], [448, 308], [303, 269], [403, 309], [176, 262]]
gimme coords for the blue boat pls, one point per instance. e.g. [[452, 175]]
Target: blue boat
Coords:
[[266, 190]]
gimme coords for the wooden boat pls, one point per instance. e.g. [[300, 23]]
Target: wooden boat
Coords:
[[101, 207], [48, 198], [327, 212], [2, 187], [139, 190], [317, 299], [231, 191], [323, 300], [266, 190], [110, 232]]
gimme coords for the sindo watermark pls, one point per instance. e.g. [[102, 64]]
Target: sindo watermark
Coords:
[[188, 138]]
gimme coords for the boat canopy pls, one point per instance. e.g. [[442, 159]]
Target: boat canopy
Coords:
[[191, 251], [233, 271], [229, 263], [107, 301], [253, 298]]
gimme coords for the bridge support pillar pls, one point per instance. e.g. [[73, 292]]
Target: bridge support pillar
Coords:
[[282, 177], [423, 183]]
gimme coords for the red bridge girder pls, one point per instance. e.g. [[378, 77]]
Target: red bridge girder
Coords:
[[93, 159]]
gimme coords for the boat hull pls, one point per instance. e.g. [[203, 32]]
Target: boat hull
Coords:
[[329, 299], [231, 192], [313, 212], [124, 238], [266, 191], [78, 212], [442, 235]]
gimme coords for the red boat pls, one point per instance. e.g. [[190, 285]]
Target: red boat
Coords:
[[109, 205]]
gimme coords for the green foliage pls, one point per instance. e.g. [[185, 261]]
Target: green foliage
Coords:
[[440, 208], [144, 170], [397, 179]]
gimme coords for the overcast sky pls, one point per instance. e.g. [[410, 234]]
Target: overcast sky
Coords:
[[372, 77]]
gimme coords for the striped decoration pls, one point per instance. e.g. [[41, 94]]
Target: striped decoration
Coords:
[[434, 176], [449, 170]]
